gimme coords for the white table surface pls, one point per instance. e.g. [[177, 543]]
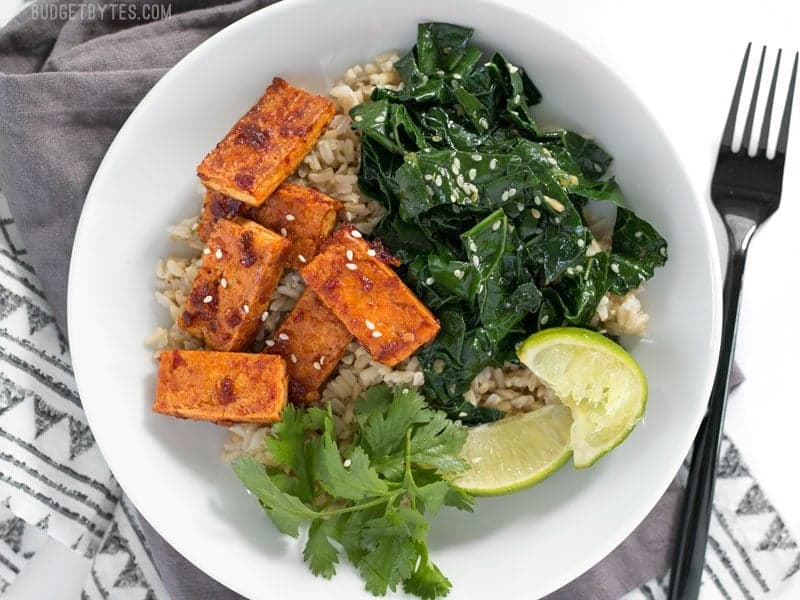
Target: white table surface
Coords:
[[682, 58]]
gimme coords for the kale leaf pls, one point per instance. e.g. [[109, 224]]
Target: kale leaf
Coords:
[[485, 210]]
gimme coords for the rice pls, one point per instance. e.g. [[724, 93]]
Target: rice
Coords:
[[332, 167]]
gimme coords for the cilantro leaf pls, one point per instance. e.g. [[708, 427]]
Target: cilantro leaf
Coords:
[[354, 483], [321, 556], [287, 512], [427, 582]]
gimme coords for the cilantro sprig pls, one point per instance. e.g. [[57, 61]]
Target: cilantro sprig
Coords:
[[369, 504]]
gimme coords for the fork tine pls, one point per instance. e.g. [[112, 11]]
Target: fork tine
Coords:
[[762, 142], [727, 134], [783, 134], [748, 126]]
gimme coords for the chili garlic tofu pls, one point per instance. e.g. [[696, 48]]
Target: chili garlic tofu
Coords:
[[353, 279], [312, 341], [267, 144], [221, 387], [303, 214], [241, 266]]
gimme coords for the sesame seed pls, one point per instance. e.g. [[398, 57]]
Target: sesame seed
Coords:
[[517, 99], [264, 316], [376, 334], [554, 204], [460, 180], [246, 309], [477, 157], [208, 299], [351, 266], [493, 164], [440, 72], [429, 281], [456, 163], [218, 253], [453, 198], [512, 192], [371, 252], [301, 258], [284, 233], [473, 246], [370, 325], [638, 234], [480, 289], [472, 173], [206, 250], [536, 214], [495, 225], [380, 119], [359, 118], [290, 217], [436, 138], [520, 206], [459, 274], [454, 168], [438, 181], [662, 251], [615, 267], [476, 260], [428, 177], [293, 358], [512, 68], [504, 196], [429, 190], [462, 414], [456, 75], [270, 343], [484, 123], [355, 233], [223, 282], [570, 271], [544, 319], [347, 462], [349, 215], [322, 360], [580, 243], [579, 269], [283, 336], [195, 226], [349, 255], [317, 366]]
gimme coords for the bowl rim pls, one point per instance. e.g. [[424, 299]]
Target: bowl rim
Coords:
[[709, 239]]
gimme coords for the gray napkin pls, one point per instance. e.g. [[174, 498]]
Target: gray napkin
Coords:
[[66, 86]]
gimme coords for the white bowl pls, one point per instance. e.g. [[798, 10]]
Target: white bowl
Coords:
[[524, 545]]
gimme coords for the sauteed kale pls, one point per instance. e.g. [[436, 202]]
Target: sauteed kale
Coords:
[[485, 210]]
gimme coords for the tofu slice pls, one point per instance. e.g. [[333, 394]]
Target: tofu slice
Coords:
[[267, 144], [304, 214], [312, 341], [217, 206], [222, 387], [241, 267], [353, 280]]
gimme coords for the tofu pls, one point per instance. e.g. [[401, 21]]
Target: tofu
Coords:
[[217, 206], [357, 285], [304, 214], [312, 341], [241, 267], [222, 387], [267, 144]]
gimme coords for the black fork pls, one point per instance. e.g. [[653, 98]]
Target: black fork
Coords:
[[746, 191]]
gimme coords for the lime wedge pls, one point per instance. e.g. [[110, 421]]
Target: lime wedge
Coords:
[[602, 385], [515, 452]]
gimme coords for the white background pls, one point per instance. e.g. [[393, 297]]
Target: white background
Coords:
[[682, 58]]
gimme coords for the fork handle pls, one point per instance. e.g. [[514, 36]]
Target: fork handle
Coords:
[[689, 557]]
